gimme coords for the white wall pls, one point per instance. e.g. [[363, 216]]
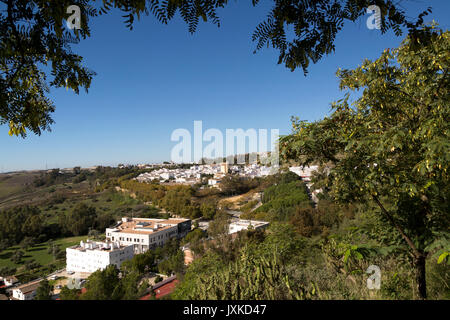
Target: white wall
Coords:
[[93, 260]]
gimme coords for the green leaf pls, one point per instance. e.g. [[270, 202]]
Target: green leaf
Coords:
[[442, 257]]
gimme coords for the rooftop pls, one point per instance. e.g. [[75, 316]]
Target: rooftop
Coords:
[[143, 225], [244, 223], [99, 246], [29, 287]]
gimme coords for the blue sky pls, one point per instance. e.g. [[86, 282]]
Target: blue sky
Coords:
[[157, 78]]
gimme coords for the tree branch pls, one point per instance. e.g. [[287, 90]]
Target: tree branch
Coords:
[[417, 253]]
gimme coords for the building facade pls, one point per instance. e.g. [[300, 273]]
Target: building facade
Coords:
[[26, 291], [92, 256], [144, 234]]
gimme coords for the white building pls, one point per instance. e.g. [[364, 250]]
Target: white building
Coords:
[[213, 182], [26, 291], [92, 256], [304, 172], [239, 225], [10, 281], [145, 234]]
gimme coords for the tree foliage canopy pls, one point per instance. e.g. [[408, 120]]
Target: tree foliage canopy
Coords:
[[390, 146]]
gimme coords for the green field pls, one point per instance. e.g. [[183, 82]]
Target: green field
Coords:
[[104, 202], [37, 252]]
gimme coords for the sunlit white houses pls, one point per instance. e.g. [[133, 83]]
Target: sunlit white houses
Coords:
[[91, 256], [166, 175], [144, 234]]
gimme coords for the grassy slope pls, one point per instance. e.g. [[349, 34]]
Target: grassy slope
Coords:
[[17, 189], [37, 252], [13, 183]]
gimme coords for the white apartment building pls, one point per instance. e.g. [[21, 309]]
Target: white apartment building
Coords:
[[91, 256], [239, 225], [145, 234]]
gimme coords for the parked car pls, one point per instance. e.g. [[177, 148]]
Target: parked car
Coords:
[[70, 272]]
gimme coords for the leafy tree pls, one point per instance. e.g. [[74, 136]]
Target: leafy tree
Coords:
[[103, 285], [3, 245], [281, 199], [44, 291], [80, 219], [208, 210], [141, 263], [55, 251], [32, 264], [17, 256], [232, 185], [219, 226], [131, 290], [210, 263], [93, 234], [27, 242], [69, 294], [50, 245], [282, 238], [316, 221], [195, 235], [108, 284], [7, 271], [33, 36], [391, 147], [33, 225], [16, 223]]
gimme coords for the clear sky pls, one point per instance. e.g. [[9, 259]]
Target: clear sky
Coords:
[[157, 78]]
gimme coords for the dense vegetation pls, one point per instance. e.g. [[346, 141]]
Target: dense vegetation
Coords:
[[324, 256], [281, 200], [389, 147]]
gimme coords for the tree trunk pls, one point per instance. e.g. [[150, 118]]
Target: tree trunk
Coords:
[[419, 264]]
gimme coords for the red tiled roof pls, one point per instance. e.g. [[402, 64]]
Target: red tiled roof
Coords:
[[162, 291], [166, 289]]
